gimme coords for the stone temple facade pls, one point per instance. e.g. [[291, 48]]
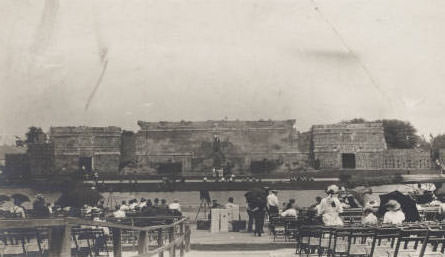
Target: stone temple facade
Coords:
[[86, 148], [197, 147], [346, 145], [361, 146]]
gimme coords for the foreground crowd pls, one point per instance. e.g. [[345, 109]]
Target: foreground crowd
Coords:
[[42, 208], [393, 208]]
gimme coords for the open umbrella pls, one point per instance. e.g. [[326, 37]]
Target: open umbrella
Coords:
[[21, 198], [407, 204], [78, 195]]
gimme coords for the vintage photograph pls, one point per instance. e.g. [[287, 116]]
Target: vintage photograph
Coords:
[[222, 128]]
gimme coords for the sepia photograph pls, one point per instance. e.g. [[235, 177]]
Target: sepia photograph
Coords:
[[222, 128]]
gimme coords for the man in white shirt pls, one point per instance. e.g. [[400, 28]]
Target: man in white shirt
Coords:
[[273, 203], [119, 213], [233, 209], [175, 206], [290, 212]]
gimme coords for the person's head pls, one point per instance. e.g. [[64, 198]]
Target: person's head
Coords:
[[163, 201], [332, 190], [230, 200], [318, 199], [176, 201], [156, 200], [124, 202], [117, 207], [367, 211], [392, 205], [275, 192], [291, 201]]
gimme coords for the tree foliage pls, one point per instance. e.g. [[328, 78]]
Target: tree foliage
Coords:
[[35, 135], [399, 134], [437, 143]]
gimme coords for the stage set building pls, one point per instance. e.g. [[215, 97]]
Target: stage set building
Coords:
[[195, 148]]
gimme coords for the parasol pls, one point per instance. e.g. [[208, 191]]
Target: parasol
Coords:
[[21, 198], [407, 204]]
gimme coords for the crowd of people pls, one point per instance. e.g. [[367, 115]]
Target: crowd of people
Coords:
[[147, 208], [42, 208], [393, 208]]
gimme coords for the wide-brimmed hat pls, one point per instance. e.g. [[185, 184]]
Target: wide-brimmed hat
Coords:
[[368, 209], [274, 191], [332, 189], [392, 205]]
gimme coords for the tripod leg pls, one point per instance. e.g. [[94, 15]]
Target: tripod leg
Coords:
[[199, 209]]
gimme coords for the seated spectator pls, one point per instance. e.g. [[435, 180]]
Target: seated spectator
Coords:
[[290, 204], [39, 207], [86, 210], [133, 204], [17, 210], [119, 213], [291, 211], [142, 204], [101, 204], [124, 206], [230, 204], [394, 215], [164, 204], [175, 205], [369, 217], [156, 203]]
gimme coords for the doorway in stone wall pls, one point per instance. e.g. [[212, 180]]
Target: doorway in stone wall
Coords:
[[348, 161], [86, 164]]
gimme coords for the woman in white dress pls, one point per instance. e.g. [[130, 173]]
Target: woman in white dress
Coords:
[[394, 215], [330, 208]]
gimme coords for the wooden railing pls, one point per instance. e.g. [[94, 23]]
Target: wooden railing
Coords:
[[151, 240]]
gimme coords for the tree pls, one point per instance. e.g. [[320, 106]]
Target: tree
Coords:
[[35, 135], [399, 134], [437, 143], [356, 121]]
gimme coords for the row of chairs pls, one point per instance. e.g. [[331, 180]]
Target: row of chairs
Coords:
[[34, 242], [412, 240]]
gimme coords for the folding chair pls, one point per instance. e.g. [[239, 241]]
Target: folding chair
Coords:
[[385, 235], [410, 238], [309, 239], [433, 238]]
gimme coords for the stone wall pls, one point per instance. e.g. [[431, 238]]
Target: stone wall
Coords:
[[16, 165], [199, 146], [101, 144], [41, 159], [364, 140], [406, 159]]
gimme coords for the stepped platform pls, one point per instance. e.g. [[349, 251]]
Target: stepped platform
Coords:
[[203, 240]]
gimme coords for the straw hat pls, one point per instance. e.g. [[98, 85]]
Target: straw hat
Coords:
[[332, 189], [392, 205]]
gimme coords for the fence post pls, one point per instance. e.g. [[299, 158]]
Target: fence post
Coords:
[[182, 236], [187, 237], [171, 240], [142, 242], [160, 242], [117, 245], [59, 241]]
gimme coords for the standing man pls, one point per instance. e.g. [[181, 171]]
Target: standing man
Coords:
[[259, 212], [273, 203]]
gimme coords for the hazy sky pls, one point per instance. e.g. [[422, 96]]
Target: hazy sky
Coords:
[[211, 59]]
